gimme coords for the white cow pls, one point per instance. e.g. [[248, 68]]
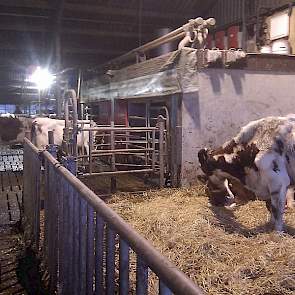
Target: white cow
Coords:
[[41, 126], [260, 160]]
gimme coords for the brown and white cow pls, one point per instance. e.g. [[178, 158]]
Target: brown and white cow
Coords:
[[13, 129], [258, 163]]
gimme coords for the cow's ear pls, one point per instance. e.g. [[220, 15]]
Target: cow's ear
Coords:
[[203, 156]]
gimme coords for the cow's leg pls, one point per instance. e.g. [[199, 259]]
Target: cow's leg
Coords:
[[273, 170]]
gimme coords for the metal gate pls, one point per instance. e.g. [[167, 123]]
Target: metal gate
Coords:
[[88, 248]]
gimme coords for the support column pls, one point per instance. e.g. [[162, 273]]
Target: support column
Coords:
[[113, 157], [175, 139]]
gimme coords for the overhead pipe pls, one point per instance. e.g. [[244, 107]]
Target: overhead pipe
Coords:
[[170, 37]]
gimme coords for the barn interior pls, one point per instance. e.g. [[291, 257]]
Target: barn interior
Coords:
[[155, 87]]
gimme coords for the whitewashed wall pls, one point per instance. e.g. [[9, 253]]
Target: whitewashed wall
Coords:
[[227, 100]]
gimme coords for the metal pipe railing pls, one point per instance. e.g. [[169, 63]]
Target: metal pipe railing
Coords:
[[177, 281], [170, 37]]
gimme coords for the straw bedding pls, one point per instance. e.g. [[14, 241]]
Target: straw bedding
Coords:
[[223, 251]]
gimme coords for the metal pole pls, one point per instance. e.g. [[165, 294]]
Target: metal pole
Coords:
[[82, 139], [39, 101], [79, 83], [90, 151], [58, 53], [50, 137], [244, 27], [113, 157], [178, 282], [161, 122], [153, 149]]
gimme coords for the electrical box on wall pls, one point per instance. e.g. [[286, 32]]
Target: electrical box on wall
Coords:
[[234, 37], [219, 40], [279, 25]]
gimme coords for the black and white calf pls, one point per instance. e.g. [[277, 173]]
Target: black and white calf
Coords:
[[258, 163]]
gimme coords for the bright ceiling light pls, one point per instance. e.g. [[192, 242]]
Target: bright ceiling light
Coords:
[[42, 78]]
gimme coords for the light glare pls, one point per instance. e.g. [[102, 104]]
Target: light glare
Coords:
[[42, 78]]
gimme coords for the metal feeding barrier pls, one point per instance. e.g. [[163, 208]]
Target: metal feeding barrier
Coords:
[[147, 144], [88, 248]]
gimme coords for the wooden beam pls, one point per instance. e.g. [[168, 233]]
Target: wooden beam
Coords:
[[99, 9]]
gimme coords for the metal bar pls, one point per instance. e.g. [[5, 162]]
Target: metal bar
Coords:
[[132, 165], [170, 275], [82, 139], [73, 97], [69, 251], [147, 124], [99, 238], [163, 289], [141, 277], [50, 137], [130, 129], [137, 154], [90, 250], [50, 225], [244, 25], [123, 150], [110, 261], [79, 82], [46, 201], [82, 242], [124, 268], [113, 156], [118, 172], [90, 152], [58, 53], [170, 37], [37, 167], [54, 231], [133, 142], [161, 123], [153, 149], [60, 235], [76, 244]]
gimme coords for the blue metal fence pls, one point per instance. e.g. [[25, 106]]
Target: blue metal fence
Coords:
[[88, 248]]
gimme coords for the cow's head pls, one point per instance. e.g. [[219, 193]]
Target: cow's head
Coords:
[[226, 172]]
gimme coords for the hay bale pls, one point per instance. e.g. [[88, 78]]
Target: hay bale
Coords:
[[223, 251]]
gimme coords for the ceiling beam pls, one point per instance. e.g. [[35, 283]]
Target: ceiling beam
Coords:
[[18, 27], [65, 50], [97, 9], [84, 20]]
